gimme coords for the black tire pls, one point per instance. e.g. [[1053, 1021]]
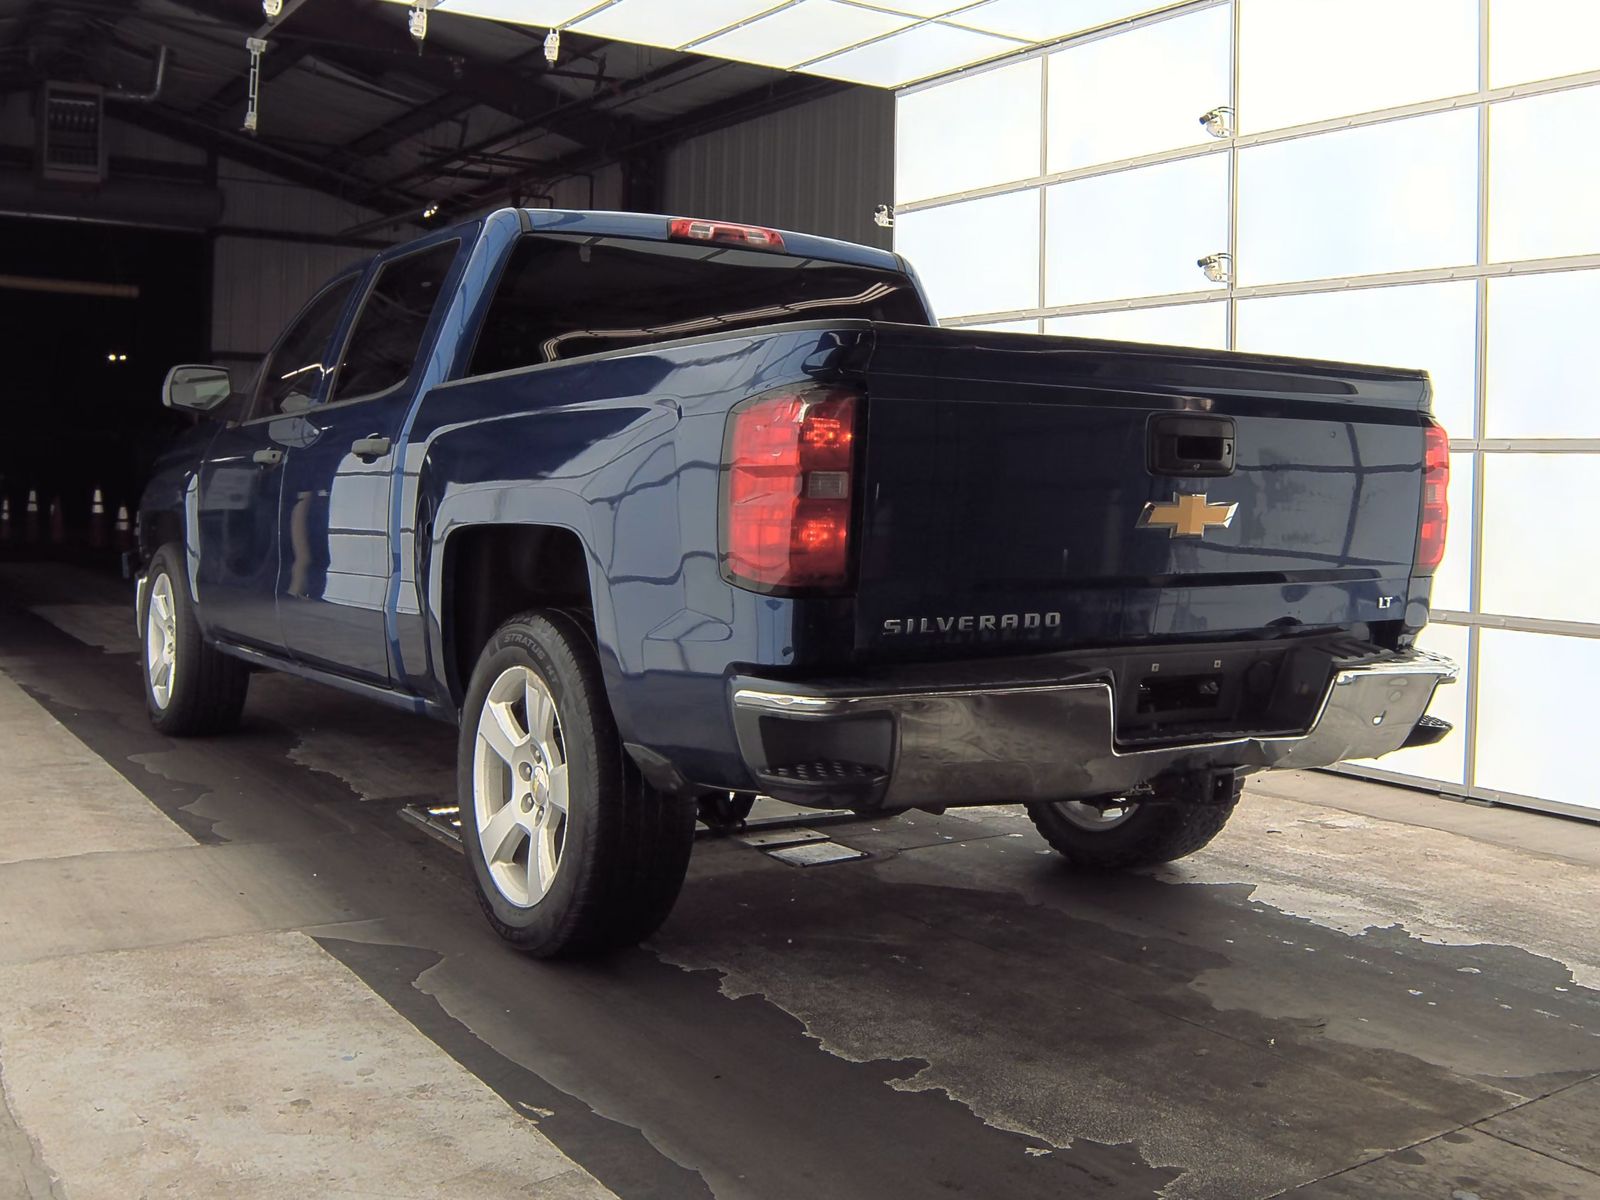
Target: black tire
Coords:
[[1149, 835], [624, 846], [207, 688]]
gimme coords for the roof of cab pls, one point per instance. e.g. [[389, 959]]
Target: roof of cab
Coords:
[[655, 226]]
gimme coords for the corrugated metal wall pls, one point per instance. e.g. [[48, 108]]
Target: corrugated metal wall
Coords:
[[818, 168], [259, 283], [264, 201]]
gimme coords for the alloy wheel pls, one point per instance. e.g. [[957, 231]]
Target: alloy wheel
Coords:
[[519, 786], [161, 640]]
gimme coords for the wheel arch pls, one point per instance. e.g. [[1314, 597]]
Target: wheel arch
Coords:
[[488, 572]]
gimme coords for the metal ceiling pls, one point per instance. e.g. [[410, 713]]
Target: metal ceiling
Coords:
[[351, 105]]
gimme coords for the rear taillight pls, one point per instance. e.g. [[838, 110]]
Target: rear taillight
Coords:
[[1435, 516], [751, 237], [787, 473]]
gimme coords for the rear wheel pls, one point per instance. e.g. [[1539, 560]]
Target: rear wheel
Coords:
[[190, 688], [1116, 834], [569, 850]]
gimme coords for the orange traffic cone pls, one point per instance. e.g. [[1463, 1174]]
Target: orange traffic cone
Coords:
[[58, 524], [124, 529], [32, 528], [5, 518], [97, 521]]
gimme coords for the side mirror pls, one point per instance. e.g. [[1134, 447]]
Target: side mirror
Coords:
[[195, 387]]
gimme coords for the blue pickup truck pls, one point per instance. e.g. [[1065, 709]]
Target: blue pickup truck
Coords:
[[668, 513]]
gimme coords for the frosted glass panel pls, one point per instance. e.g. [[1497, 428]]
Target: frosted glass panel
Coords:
[[1135, 233], [801, 32], [1307, 60], [1170, 325], [1138, 92], [1529, 740], [1544, 176], [972, 133], [1432, 326], [1537, 562], [1445, 761], [653, 24], [916, 53], [978, 256], [1540, 39], [1362, 201], [1030, 325], [1541, 378], [1044, 20], [1452, 582]]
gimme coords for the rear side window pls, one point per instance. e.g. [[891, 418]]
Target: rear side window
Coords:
[[290, 377], [388, 333], [566, 294]]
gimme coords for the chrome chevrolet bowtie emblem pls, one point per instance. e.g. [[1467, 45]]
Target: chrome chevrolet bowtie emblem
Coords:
[[1186, 515]]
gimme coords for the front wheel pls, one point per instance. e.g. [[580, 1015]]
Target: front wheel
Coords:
[[190, 688], [569, 849], [1117, 835]]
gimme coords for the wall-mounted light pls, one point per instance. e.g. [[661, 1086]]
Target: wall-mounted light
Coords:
[[883, 216], [1218, 267], [1219, 121]]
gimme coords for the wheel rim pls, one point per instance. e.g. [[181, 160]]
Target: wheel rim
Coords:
[[519, 786], [1095, 820], [161, 640]]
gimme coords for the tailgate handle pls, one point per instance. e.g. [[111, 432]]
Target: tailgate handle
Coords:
[[1191, 445]]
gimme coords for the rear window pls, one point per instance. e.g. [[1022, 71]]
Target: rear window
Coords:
[[566, 294]]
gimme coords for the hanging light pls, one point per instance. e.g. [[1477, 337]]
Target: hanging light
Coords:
[[552, 46]]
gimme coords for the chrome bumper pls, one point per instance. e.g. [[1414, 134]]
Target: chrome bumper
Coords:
[[1043, 741]]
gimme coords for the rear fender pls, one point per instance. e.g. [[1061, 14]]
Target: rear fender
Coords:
[[587, 471]]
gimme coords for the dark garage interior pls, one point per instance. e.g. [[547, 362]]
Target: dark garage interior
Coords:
[[97, 313], [1149, 760]]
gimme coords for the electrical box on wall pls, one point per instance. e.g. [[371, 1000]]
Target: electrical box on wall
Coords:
[[72, 133]]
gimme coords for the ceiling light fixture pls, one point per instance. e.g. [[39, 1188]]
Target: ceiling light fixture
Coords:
[[273, 9], [430, 212], [417, 23], [257, 47], [552, 46]]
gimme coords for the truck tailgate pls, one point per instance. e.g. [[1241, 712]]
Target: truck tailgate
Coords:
[[1010, 478]]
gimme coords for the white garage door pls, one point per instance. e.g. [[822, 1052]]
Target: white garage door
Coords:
[[1379, 182]]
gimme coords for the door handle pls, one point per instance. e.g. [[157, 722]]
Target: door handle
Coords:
[[369, 448], [267, 458]]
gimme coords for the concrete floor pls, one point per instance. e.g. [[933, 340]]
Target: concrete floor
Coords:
[[228, 969]]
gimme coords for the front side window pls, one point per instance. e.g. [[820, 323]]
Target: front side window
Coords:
[[564, 295], [388, 333], [295, 369]]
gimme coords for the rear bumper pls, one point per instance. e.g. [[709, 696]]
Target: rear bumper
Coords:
[[1043, 740]]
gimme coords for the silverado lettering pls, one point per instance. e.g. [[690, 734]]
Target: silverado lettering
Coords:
[[970, 623]]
